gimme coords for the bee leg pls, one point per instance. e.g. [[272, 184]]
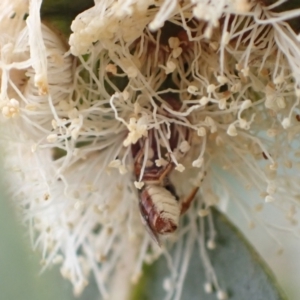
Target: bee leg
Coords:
[[187, 202], [140, 155]]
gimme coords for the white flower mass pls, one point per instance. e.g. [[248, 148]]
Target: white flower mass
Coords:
[[227, 72]]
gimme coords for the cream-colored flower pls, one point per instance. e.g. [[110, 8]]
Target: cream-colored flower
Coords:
[[214, 83]]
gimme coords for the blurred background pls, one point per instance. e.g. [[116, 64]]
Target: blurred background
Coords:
[[20, 277]]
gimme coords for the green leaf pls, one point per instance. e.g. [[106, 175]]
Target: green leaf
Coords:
[[60, 13], [240, 271]]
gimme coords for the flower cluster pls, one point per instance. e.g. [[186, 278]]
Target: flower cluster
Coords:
[[227, 72]]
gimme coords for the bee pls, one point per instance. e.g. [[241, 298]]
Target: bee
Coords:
[[159, 205]]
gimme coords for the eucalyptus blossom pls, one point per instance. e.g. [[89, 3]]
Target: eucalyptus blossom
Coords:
[[228, 72]]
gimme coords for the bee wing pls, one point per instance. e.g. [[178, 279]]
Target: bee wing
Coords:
[[152, 233]]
